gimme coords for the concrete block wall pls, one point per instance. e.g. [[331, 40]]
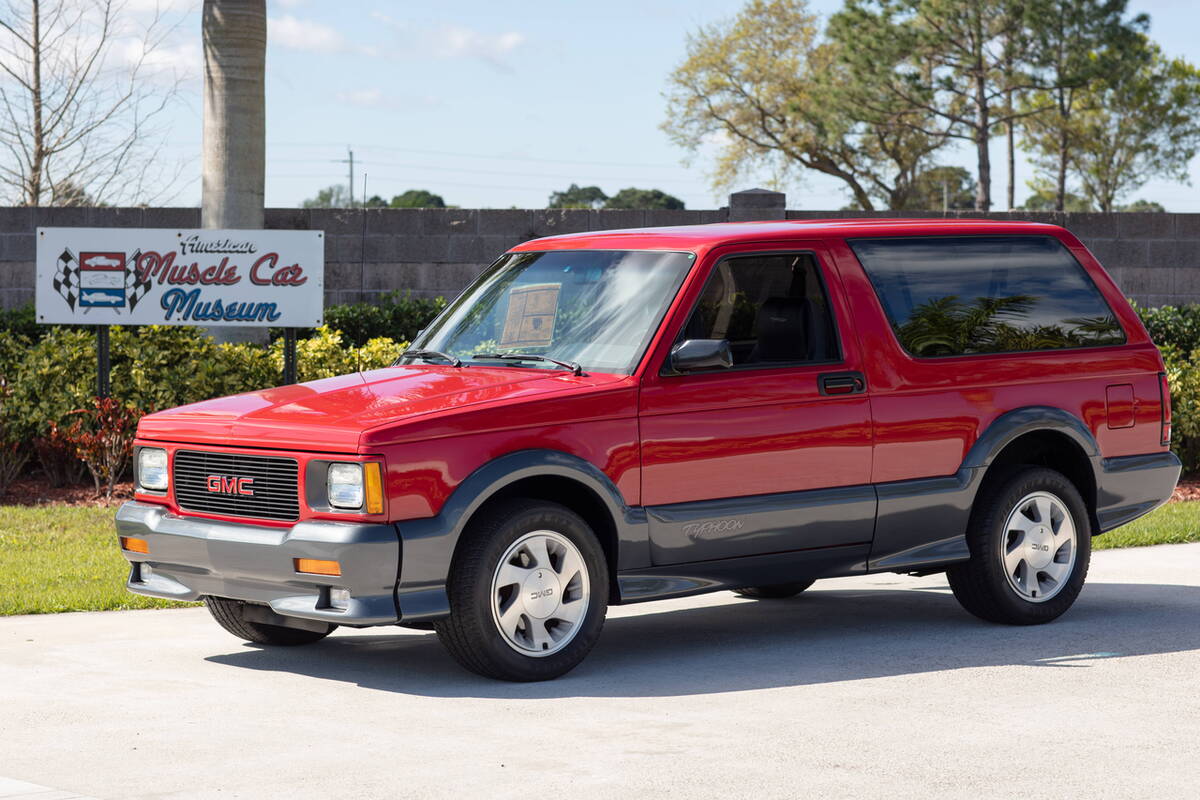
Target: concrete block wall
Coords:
[[1155, 258]]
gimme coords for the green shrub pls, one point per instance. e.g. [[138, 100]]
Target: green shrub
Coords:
[[56, 376], [397, 316], [23, 322], [1184, 378], [13, 347], [324, 354], [1173, 326]]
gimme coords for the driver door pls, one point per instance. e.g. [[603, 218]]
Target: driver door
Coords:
[[771, 454]]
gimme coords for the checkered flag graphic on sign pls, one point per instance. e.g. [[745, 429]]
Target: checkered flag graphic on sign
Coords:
[[135, 287], [66, 279]]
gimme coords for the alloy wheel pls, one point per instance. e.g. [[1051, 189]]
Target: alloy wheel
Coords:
[[1039, 547], [540, 593]]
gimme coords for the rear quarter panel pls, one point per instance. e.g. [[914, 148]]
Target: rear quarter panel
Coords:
[[928, 412]]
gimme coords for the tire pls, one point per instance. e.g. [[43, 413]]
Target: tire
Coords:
[[1023, 570], [512, 617], [776, 591], [228, 614]]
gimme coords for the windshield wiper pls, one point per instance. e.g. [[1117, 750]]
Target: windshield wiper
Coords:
[[571, 365], [426, 355]]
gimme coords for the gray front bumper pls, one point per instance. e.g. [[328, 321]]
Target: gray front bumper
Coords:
[[191, 557]]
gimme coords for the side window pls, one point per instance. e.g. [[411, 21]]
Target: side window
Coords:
[[773, 310], [951, 296]]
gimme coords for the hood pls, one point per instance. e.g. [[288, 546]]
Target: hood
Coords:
[[330, 415]]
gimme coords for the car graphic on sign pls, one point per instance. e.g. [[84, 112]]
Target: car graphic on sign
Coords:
[[102, 280]]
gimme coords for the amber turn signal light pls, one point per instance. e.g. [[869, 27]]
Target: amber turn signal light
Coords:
[[374, 486], [315, 566], [135, 545]]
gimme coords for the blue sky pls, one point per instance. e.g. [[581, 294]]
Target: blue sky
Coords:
[[497, 104]]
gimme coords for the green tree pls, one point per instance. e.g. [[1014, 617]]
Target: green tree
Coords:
[[1044, 196], [942, 189], [643, 198], [949, 67], [1143, 206], [418, 198], [769, 94], [1075, 42], [576, 196], [375, 201], [1139, 123], [334, 196]]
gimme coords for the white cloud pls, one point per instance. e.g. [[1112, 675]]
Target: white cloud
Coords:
[[161, 6], [371, 97], [179, 59], [367, 98], [312, 37], [455, 41]]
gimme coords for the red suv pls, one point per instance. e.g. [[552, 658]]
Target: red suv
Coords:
[[619, 416]]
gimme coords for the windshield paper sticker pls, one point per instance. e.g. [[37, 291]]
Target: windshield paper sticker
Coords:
[[531, 314]]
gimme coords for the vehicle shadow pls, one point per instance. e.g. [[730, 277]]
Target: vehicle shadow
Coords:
[[823, 636]]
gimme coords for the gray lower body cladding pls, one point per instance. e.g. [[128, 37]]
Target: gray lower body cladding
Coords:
[[900, 527], [1129, 486]]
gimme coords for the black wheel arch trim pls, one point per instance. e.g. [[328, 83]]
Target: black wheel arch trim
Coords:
[[1011, 425], [428, 545]]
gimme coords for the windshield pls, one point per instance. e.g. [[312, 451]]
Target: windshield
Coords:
[[596, 308]]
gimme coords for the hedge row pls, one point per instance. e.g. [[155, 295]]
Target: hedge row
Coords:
[[47, 388]]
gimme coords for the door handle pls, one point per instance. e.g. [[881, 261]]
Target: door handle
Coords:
[[836, 383]]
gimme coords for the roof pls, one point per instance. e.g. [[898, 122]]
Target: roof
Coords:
[[698, 237]]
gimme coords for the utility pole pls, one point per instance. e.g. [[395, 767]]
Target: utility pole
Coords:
[[350, 160]]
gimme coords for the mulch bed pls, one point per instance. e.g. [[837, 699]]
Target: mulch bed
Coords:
[[1188, 489], [37, 492]]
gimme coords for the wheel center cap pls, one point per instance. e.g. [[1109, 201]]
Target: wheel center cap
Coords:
[[541, 594], [1039, 547]]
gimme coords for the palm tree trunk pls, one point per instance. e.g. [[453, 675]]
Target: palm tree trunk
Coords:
[[234, 162]]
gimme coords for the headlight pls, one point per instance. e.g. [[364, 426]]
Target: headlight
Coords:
[[345, 485], [152, 469]]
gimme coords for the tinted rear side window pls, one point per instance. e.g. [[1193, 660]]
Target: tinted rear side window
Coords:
[[950, 296]]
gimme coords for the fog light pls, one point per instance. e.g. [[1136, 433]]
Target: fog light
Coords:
[[144, 572], [339, 598]]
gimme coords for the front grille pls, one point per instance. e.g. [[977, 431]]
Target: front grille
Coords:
[[275, 484]]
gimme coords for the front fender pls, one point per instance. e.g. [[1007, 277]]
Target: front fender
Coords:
[[428, 545]]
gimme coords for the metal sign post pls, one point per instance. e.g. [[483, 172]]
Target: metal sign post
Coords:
[[289, 356], [103, 388]]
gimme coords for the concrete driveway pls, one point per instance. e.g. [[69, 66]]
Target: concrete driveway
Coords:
[[867, 687]]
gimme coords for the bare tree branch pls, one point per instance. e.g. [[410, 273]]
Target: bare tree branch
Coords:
[[85, 90]]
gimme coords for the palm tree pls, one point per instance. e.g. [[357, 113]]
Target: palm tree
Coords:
[[235, 47]]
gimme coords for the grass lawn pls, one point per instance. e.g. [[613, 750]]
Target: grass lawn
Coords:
[[1174, 523], [65, 558]]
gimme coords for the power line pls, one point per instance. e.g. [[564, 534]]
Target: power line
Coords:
[[456, 154]]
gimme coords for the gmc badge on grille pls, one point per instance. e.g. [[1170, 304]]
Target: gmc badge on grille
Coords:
[[228, 484]]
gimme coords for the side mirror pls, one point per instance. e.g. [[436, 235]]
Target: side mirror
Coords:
[[695, 354]]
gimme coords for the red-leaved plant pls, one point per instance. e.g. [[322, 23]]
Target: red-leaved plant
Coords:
[[102, 437]]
